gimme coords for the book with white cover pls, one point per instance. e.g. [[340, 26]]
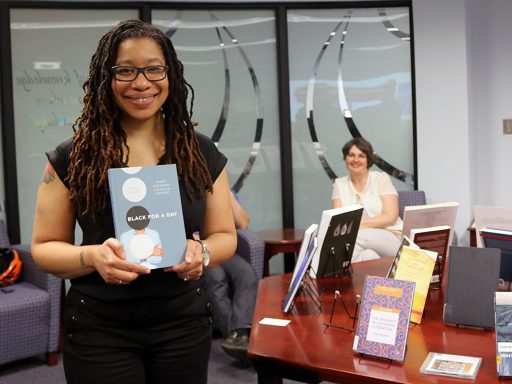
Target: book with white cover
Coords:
[[309, 234], [430, 215], [336, 239], [491, 217]]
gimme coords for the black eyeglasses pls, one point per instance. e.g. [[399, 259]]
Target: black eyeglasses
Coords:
[[152, 73]]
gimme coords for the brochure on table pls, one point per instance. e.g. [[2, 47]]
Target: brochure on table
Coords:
[[451, 365]]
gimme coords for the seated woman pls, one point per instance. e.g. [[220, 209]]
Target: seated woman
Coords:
[[232, 288], [380, 225]]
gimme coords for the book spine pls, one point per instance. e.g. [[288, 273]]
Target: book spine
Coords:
[[112, 184]]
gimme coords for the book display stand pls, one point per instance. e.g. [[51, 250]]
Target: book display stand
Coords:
[[353, 317], [310, 288], [334, 263], [301, 279]]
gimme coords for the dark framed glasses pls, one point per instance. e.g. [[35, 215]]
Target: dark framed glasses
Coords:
[[128, 73]]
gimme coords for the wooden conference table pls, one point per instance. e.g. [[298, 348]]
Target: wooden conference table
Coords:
[[307, 351]]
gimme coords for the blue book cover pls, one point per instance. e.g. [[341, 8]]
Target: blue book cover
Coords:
[[299, 274], [384, 317], [501, 239], [148, 218]]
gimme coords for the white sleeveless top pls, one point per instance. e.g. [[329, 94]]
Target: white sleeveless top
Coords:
[[378, 184]]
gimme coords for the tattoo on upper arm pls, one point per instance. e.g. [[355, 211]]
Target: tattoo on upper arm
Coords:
[[49, 174], [82, 259]]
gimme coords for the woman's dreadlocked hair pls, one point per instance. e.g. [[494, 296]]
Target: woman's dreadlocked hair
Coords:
[[98, 138]]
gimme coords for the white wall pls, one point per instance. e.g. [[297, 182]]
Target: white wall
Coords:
[[491, 78], [463, 62], [441, 67]]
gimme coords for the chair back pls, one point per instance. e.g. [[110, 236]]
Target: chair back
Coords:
[[406, 198], [4, 239]]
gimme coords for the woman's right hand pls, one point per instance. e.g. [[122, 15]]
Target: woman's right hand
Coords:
[[109, 260]]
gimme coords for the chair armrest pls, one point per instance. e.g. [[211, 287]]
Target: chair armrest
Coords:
[[34, 275], [252, 248]]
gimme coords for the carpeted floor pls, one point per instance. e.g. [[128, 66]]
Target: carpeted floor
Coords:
[[222, 370]]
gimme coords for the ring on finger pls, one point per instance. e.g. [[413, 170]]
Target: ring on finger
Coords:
[[120, 281], [186, 278]]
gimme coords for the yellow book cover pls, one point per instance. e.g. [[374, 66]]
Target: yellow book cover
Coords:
[[417, 265]]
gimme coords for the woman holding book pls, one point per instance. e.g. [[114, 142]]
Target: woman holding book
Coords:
[[126, 323], [380, 226]]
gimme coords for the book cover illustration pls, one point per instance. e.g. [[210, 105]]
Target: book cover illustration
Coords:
[[503, 329], [417, 265], [336, 239], [473, 277], [384, 317], [147, 213], [501, 239]]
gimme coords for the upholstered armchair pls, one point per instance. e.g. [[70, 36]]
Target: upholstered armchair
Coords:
[[407, 198], [252, 248], [29, 310]]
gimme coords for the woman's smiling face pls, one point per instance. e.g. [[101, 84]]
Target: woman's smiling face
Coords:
[[140, 99], [356, 161]]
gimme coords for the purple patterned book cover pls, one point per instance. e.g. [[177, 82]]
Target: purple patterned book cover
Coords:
[[384, 318]]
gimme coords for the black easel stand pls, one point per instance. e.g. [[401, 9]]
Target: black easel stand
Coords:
[[354, 317], [339, 269], [310, 288]]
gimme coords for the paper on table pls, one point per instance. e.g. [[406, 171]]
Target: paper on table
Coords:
[[276, 322]]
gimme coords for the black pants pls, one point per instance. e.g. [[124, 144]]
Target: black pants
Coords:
[[145, 341]]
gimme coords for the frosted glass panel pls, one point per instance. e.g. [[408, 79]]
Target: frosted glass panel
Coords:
[[350, 75], [230, 60], [51, 51]]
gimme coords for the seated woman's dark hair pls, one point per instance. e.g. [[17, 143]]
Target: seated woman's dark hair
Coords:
[[363, 145]]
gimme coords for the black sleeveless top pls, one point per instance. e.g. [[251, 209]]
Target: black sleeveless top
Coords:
[[95, 231]]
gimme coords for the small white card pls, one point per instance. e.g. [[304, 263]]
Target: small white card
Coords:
[[276, 322]]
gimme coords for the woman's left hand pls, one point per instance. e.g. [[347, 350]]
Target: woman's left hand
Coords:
[[192, 267]]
